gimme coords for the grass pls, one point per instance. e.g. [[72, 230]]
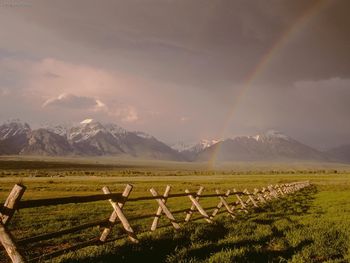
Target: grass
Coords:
[[279, 232], [310, 226]]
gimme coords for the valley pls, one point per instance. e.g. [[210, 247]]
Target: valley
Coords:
[[291, 229]]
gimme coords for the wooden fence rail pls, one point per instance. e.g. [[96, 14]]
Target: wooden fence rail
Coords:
[[244, 200]]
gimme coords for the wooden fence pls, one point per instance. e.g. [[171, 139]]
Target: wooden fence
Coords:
[[244, 200]]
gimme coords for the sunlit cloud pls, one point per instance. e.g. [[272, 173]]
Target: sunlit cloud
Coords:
[[127, 114], [71, 101]]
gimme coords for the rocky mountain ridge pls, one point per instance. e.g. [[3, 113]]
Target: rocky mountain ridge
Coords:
[[88, 138], [92, 138]]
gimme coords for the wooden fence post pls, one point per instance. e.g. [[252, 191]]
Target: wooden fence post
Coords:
[[250, 198], [279, 190], [220, 204], [191, 211], [159, 210], [164, 208], [11, 202], [266, 194], [197, 205], [7, 241], [6, 214], [272, 191], [240, 201], [259, 196], [223, 203], [118, 201], [283, 188], [118, 213]]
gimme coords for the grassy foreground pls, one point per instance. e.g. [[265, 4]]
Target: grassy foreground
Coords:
[[310, 226], [287, 230]]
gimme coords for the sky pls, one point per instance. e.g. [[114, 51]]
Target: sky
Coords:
[[181, 70]]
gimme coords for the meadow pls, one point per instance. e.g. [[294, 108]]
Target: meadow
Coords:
[[309, 226]]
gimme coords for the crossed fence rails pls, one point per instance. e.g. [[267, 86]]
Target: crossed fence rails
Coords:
[[244, 200]]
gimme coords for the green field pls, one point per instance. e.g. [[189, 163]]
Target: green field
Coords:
[[310, 226]]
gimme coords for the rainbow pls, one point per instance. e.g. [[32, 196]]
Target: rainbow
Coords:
[[263, 64]]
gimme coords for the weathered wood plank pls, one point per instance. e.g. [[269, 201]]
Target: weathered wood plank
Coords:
[[68, 200], [220, 204], [93, 198], [159, 210], [251, 198], [146, 198], [192, 209], [9, 245], [7, 211], [113, 218], [259, 196], [11, 203], [197, 205], [165, 209], [243, 206], [223, 201], [272, 191], [119, 214]]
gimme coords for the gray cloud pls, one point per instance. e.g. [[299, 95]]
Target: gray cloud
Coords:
[[186, 61], [195, 39]]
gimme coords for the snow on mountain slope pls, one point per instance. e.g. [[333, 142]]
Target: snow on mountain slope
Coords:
[[271, 145], [13, 136], [191, 150], [85, 130], [182, 146], [92, 138], [115, 130], [143, 135], [193, 147], [13, 128]]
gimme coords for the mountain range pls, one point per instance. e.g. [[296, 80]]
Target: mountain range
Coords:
[[88, 138], [92, 138]]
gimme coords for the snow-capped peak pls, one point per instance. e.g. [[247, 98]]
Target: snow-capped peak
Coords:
[[270, 134], [87, 121], [115, 130], [182, 146], [143, 135], [194, 147], [85, 130], [205, 143], [256, 137], [61, 130], [276, 134], [12, 128]]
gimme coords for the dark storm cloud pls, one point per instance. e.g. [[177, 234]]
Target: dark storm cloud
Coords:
[[191, 57], [194, 38]]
